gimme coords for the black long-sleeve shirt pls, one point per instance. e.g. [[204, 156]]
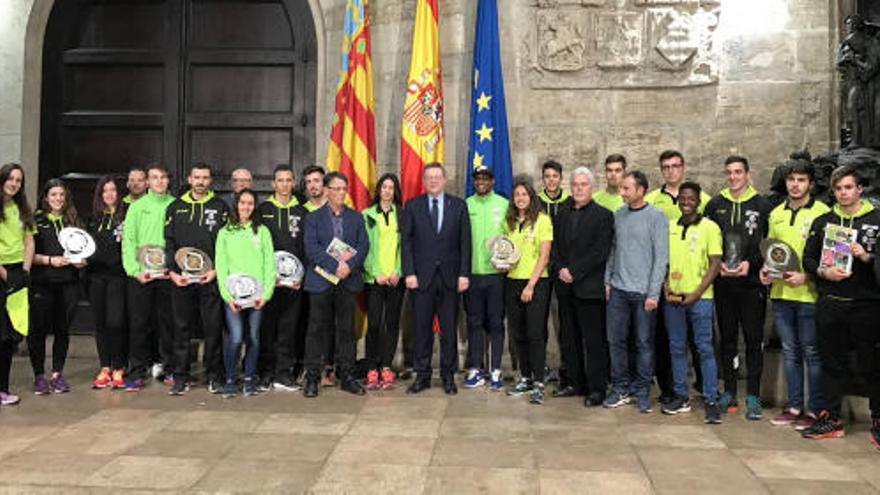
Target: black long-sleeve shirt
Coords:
[[582, 240]]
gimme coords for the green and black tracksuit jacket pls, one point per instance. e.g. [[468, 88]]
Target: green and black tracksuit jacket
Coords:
[[193, 223]]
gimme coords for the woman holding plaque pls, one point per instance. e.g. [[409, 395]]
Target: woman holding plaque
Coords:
[[54, 289], [528, 287], [16, 254], [107, 283], [245, 265], [382, 281]]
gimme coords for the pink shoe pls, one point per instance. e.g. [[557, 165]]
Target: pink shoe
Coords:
[[788, 416], [372, 380], [7, 399], [388, 379]]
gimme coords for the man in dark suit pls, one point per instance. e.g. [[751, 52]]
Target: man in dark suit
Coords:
[[583, 232], [331, 303], [436, 258]]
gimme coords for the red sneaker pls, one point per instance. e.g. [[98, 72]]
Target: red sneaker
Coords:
[[805, 421], [372, 380], [789, 416], [103, 380], [387, 379], [118, 379]]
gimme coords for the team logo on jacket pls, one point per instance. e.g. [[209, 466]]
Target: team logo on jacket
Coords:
[[117, 232], [211, 218], [869, 237], [293, 225], [752, 218]]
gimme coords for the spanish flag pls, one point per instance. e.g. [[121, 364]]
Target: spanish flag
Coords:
[[421, 139], [352, 148]]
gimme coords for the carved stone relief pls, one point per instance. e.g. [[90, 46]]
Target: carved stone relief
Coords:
[[586, 44]]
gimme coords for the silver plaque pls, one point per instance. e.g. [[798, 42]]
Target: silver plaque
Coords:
[[779, 257], [288, 268], [504, 252], [193, 263], [245, 290], [77, 243], [152, 258]]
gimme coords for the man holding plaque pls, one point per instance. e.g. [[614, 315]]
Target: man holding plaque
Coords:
[[436, 259], [484, 300], [283, 334], [191, 225], [794, 296], [848, 308], [143, 244], [336, 245], [741, 213]]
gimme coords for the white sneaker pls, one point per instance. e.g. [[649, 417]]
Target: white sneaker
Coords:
[[158, 370], [474, 379]]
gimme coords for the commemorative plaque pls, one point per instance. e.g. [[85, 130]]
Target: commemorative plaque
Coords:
[[245, 290], [733, 251], [288, 268], [77, 243], [152, 258], [193, 263], [503, 252], [779, 257]]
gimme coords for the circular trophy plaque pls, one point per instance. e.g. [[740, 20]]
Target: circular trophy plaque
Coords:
[[152, 258], [77, 243], [503, 251], [288, 268], [779, 257], [245, 290], [194, 263]]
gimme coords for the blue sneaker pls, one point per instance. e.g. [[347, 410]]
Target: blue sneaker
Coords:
[[616, 399], [135, 385], [229, 390], [474, 379], [727, 403], [496, 384], [249, 388], [753, 408], [644, 404]]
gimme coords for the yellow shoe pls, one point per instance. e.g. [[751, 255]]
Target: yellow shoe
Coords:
[[103, 380]]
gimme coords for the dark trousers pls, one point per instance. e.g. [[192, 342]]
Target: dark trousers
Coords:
[[145, 301], [585, 345], [9, 338], [484, 305], [51, 308], [630, 342], [435, 298], [741, 307], [383, 323], [189, 305], [663, 359], [840, 326], [526, 323], [107, 297], [331, 317], [282, 333]]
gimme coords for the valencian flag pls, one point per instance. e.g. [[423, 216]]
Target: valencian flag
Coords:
[[352, 147], [488, 145], [421, 140]]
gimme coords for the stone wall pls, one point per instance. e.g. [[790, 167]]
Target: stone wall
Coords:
[[740, 76]]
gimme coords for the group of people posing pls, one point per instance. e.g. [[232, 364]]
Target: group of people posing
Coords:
[[632, 280]]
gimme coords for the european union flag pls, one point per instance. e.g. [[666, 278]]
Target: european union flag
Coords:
[[489, 145]]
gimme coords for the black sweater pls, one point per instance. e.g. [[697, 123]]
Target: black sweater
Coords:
[[582, 240], [46, 243], [107, 232]]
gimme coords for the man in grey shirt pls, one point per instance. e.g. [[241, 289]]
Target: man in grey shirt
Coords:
[[633, 282]]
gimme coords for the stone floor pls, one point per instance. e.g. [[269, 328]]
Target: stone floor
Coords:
[[477, 442]]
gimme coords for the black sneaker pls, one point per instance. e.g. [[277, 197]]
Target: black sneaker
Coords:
[[824, 427], [713, 413], [594, 400], [523, 386], [286, 384], [875, 433], [215, 387], [265, 383], [537, 394], [677, 405], [180, 387]]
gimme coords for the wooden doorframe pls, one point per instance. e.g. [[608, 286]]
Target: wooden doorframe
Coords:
[[32, 81]]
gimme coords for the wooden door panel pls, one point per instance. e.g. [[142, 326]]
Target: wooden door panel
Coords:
[[227, 149], [219, 88], [134, 24], [240, 25], [116, 88], [108, 150]]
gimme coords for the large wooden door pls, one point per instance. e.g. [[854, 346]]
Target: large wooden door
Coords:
[[128, 82]]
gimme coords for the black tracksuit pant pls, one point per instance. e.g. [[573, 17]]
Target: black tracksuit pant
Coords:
[[383, 323], [331, 316], [107, 296], [526, 322], [187, 305], [840, 325], [741, 307], [585, 343], [146, 300], [435, 299], [51, 308], [8, 337], [282, 333]]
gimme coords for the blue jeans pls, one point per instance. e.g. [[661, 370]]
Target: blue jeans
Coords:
[[796, 326], [627, 309], [697, 316], [235, 325]]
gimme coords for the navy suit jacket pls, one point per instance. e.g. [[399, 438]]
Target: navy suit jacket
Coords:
[[426, 253], [318, 227]]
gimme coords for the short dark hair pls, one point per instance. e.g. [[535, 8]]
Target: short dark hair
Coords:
[[156, 166], [615, 158], [137, 169], [737, 159], [553, 165], [434, 165], [311, 169], [845, 171], [640, 178], [201, 166], [693, 186], [801, 167], [282, 167], [669, 154], [328, 178]]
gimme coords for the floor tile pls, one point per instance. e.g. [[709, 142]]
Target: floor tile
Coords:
[[162, 473], [368, 479], [554, 481], [414, 451], [259, 476], [307, 423], [461, 480], [791, 465]]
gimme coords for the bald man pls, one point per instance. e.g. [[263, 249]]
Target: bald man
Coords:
[[241, 179]]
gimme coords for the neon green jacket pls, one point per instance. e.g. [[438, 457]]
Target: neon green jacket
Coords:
[[144, 224], [384, 243], [487, 220], [240, 251]]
